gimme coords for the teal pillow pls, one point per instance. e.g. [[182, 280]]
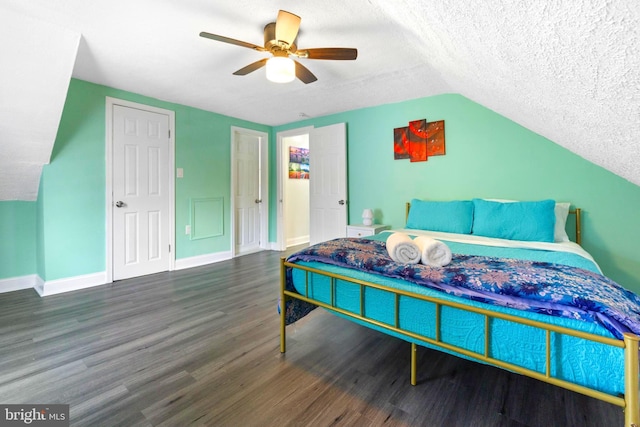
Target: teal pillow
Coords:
[[451, 217], [529, 221]]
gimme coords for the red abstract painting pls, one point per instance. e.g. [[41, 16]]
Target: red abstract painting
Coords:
[[435, 138], [400, 143], [418, 140]]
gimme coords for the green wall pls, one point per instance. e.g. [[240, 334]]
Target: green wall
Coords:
[[487, 155], [71, 204], [71, 198], [63, 233], [17, 239]]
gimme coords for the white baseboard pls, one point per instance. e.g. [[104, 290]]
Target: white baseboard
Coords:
[[297, 241], [199, 260], [39, 285], [68, 284], [18, 283], [274, 246]]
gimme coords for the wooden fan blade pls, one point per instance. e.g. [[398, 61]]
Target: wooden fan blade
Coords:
[[232, 41], [251, 67], [287, 26], [304, 74], [337, 53]]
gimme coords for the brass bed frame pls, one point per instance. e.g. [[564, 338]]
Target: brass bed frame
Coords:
[[629, 402]]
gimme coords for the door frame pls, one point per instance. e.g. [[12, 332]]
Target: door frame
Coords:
[[282, 169], [110, 103], [264, 185]]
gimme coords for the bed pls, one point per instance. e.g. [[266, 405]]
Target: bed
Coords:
[[494, 303]]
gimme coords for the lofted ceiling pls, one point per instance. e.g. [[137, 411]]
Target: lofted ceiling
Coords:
[[568, 70]]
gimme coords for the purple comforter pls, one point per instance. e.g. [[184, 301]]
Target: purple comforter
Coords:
[[540, 287]]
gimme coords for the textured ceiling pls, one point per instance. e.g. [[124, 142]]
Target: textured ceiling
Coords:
[[568, 70]]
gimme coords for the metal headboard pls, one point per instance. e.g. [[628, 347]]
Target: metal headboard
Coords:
[[577, 212]]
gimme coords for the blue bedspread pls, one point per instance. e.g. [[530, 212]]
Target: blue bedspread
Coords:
[[535, 286]]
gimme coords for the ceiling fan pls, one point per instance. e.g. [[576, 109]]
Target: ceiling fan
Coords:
[[280, 41]]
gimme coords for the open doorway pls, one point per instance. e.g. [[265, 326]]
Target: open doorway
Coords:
[[293, 193], [326, 198]]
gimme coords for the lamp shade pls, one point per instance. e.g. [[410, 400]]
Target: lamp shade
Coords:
[[281, 69], [367, 216]]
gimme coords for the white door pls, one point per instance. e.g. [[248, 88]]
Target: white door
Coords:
[[247, 199], [140, 192], [328, 183]]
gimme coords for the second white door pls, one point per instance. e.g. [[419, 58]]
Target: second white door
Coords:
[[247, 192]]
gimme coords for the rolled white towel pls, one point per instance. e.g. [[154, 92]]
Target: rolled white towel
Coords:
[[433, 252], [402, 249]]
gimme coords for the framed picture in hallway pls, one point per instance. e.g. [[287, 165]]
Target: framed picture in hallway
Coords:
[[298, 163]]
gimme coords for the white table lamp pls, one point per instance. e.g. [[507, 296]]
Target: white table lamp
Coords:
[[367, 217]]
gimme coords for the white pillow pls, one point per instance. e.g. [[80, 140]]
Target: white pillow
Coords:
[[562, 212]]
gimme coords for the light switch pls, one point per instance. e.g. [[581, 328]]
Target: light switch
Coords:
[[180, 173], [187, 229]]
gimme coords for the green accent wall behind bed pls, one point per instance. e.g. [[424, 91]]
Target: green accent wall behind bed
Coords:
[[487, 155]]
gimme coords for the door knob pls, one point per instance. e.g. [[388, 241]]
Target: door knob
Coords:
[[258, 200], [119, 204], [341, 202]]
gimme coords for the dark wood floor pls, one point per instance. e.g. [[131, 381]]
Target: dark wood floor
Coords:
[[201, 347]]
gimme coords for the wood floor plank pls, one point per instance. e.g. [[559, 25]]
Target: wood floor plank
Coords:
[[201, 347]]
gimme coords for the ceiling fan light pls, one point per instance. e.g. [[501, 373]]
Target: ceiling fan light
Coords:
[[281, 69]]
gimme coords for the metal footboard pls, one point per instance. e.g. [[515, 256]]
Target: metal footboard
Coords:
[[629, 402]]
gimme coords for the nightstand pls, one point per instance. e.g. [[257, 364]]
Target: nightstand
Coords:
[[361, 230]]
